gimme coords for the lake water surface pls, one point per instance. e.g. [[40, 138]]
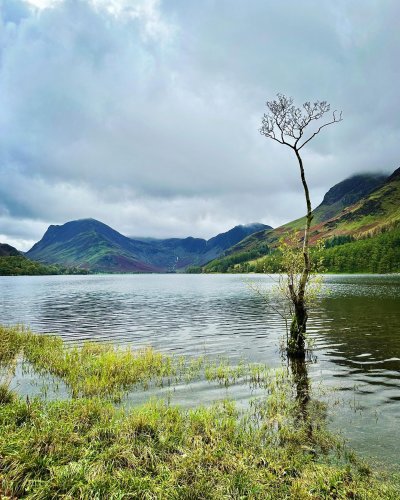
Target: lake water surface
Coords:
[[355, 328]]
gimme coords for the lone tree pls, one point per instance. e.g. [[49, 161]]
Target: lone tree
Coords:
[[285, 123]]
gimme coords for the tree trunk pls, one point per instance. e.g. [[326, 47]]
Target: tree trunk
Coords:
[[298, 327], [301, 380], [297, 342], [302, 384]]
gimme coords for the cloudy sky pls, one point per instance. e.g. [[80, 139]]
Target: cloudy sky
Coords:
[[145, 113]]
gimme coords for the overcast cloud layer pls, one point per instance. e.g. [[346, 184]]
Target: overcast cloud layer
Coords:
[[145, 114]]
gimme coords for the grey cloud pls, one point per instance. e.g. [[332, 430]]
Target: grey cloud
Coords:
[[147, 117]]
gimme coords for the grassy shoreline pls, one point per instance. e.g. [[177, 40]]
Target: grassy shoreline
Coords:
[[90, 447]]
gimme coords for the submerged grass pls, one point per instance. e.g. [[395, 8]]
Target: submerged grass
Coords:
[[93, 369], [88, 448], [108, 371]]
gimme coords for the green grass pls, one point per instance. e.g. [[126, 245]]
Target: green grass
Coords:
[[93, 369], [87, 447], [111, 372]]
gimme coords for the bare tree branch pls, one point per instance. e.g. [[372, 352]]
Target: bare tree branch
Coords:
[[285, 123], [335, 120]]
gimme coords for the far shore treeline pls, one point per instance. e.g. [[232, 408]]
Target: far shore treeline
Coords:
[[21, 266]]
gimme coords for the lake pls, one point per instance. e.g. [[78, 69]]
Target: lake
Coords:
[[355, 329]]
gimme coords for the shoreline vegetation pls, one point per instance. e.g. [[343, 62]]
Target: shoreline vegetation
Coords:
[[90, 445]]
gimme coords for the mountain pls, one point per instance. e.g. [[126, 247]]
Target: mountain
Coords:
[[226, 240], [372, 213], [339, 197], [92, 245], [347, 193], [8, 251], [357, 207]]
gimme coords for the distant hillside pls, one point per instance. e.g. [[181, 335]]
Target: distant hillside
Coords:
[[358, 207], [18, 265], [13, 263], [226, 240], [8, 250], [335, 200], [369, 215], [92, 245]]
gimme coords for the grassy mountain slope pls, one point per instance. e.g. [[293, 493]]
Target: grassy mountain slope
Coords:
[[342, 195], [379, 209], [358, 207], [13, 263], [92, 245]]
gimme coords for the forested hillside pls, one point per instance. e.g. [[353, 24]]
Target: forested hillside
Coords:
[[360, 237], [372, 254], [19, 265], [13, 263]]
